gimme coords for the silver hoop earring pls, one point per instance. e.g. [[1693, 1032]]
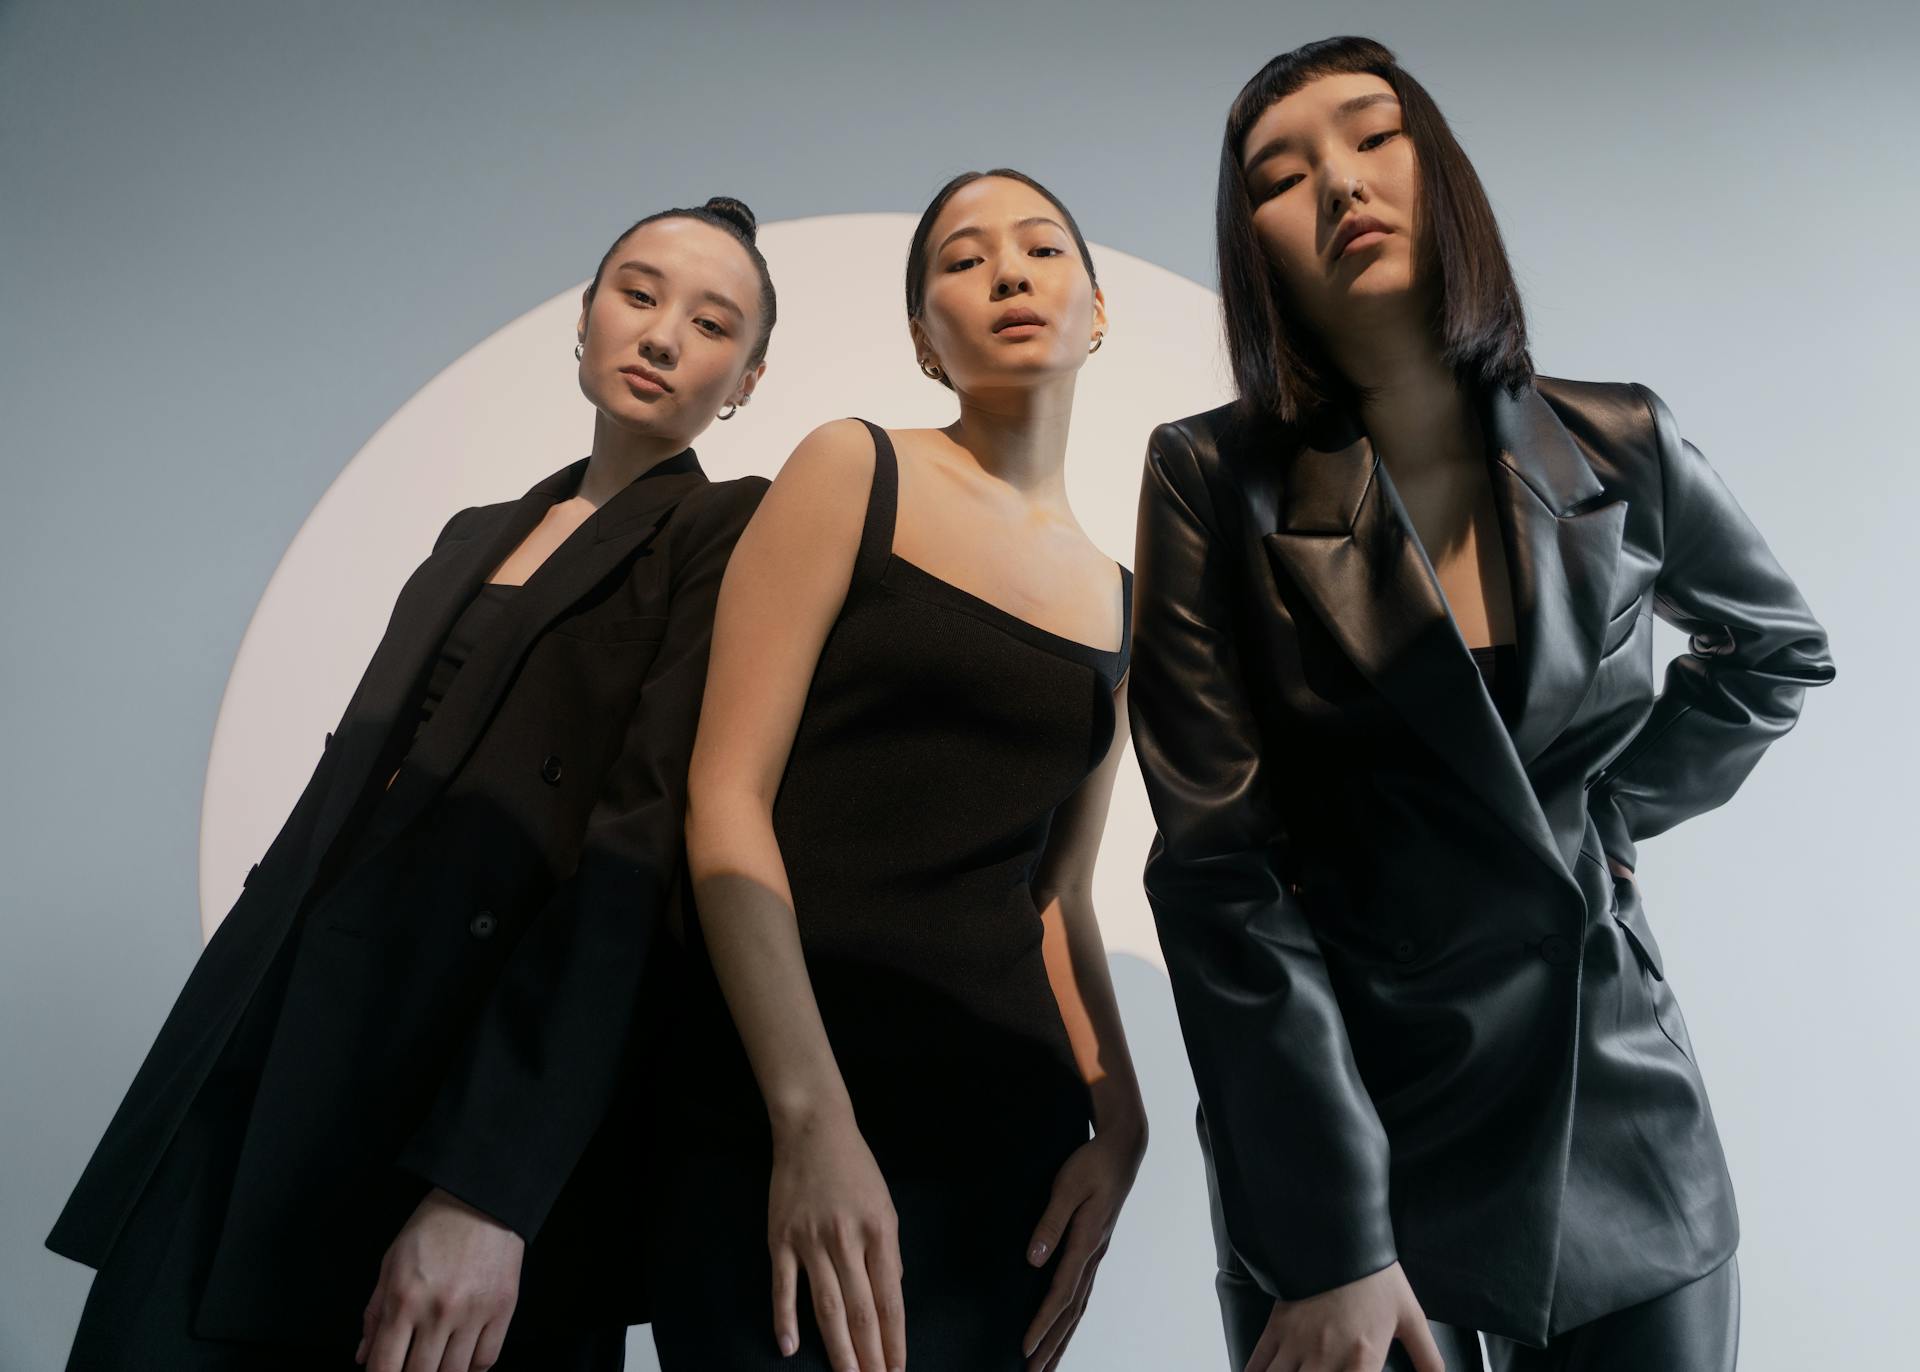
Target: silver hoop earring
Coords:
[[579, 351], [1098, 339], [727, 413]]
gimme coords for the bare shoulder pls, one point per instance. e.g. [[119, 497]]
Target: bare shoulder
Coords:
[[814, 510]]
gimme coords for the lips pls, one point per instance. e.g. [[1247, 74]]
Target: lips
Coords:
[[1351, 229], [647, 374], [1014, 317]]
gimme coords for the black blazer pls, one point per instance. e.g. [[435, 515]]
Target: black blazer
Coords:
[[460, 1007], [1424, 1020]]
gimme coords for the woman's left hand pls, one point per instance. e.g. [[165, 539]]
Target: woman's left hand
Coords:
[[1087, 1195], [1619, 868]]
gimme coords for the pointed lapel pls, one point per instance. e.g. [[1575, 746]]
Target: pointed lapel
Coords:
[[1562, 543], [1345, 540], [616, 532], [424, 613]]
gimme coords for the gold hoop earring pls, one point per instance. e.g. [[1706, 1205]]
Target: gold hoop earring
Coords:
[[579, 351], [932, 373], [1098, 339]]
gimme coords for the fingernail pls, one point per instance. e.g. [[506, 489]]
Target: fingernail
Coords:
[[1039, 1251], [786, 1345]]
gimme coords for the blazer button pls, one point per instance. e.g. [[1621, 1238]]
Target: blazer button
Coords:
[[1556, 950], [482, 925], [550, 770], [1403, 950]]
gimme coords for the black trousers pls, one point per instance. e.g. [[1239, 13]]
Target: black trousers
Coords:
[[139, 1313], [1695, 1328]]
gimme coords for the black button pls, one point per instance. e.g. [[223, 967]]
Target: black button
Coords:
[[1556, 950], [1403, 950], [483, 924], [550, 770]]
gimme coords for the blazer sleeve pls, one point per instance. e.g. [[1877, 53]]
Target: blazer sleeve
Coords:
[[1299, 1155], [1753, 648], [534, 1079]]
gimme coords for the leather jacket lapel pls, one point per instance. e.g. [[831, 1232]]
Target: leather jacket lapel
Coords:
[[1562, 540], [1346, 541]]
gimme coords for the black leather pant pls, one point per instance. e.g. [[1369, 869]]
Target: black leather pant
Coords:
[[1695, 1328]]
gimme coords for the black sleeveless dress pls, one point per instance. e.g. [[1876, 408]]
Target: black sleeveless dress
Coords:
[[938, 738]]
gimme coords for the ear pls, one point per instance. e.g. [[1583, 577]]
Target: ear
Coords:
[[921, 347], [748, 382], [586, 304], [1099, 311]]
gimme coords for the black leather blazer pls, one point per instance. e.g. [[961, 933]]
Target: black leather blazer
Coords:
[[1425, 1021], [460, 1008]]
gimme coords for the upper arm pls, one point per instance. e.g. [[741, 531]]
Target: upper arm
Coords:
[[1073, 841], [783, 589], [1194, 729]]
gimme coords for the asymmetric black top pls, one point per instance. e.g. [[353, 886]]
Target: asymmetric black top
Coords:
[[938, 737]]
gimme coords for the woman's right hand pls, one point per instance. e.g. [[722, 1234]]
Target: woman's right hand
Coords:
[[1348, 1329], [829, 1211]]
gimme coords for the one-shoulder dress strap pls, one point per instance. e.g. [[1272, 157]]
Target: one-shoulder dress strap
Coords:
[[876, 532], [1126, 616]]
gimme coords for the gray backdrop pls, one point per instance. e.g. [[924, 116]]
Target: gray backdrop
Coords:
[[234, 237]]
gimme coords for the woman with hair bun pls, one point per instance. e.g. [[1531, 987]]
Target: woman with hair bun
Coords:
[[900, 1023], [1394, 703], [391, 1116]]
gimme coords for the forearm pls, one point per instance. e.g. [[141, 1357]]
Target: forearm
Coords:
[[753, 940], [1076, 958]]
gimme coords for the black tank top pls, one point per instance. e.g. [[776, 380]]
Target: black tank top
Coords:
[[939, 736]]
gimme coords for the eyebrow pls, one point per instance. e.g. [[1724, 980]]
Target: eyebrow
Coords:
[[1026, 223], [1346, 107], [648, 269]]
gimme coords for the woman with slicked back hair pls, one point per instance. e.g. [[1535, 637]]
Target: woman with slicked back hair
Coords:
[[395, 1114], [902, 1023], [1395, 708]]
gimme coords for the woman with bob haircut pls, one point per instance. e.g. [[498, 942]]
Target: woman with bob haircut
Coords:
[[899, 1019], [393, 1116], [1393, 698]]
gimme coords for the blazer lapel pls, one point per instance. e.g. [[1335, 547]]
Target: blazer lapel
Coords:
[[1345, 540], [619, 530], [1562, 540], [422, 617]]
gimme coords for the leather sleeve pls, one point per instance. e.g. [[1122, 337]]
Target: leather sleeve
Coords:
[[535, 1078], [1753, 648], [1300, 1158]]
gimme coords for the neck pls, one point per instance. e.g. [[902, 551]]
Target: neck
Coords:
[[620, 456], [1018, 434], [1414, 410]]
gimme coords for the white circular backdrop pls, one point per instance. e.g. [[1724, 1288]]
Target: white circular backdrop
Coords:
[[510, 411]]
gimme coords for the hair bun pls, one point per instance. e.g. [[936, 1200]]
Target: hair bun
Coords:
[[734, 212]]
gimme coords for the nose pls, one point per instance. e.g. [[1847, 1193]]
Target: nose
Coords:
[[657, 344], [1340, 186], [1010, 278]]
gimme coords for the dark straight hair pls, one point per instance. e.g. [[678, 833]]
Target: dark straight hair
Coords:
[[730, 216], [1280, 368], [917, 250]]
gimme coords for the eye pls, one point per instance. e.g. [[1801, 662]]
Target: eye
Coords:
[[1281, 185], [1047, 247], [961, 264], [712, 326], [1372, 141], [639, 294]]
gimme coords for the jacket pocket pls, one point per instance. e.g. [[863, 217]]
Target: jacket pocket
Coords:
[[1620, 628], [631, 629]]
